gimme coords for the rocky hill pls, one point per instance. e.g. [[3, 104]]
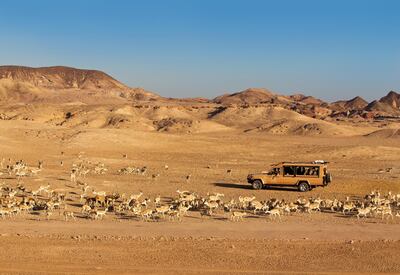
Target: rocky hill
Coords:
[[356, 103], [392, 99], [388, 105], [249, 96], [60, 77], [58, 84]]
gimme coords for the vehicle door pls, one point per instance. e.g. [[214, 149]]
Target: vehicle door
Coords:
[[313, 174], [289, 175], [302, 172], [276, 176]]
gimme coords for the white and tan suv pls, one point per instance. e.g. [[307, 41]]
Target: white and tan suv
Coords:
[[302, 175]]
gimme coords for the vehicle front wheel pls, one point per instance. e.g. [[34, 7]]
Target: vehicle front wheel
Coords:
[[303, 187], [257, 184]]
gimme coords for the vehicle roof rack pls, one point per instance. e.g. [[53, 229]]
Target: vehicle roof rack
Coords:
[[301, 162]]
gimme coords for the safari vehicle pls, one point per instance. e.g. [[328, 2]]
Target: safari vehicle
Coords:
[[302, 175]]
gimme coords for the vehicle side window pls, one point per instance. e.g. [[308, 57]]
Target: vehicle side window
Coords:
[[301, 170], [288, 171], [314, 171]]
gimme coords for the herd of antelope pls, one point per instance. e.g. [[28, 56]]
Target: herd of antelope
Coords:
[[18, 199]]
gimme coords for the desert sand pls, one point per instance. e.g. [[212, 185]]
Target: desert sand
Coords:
[[201, 139]]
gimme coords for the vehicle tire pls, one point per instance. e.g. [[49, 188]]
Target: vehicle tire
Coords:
[[257, 184], [303, 186]]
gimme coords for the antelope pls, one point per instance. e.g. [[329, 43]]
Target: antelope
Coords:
[[147, 214], [69, 214], [257, 206], [187, 199], [157, 200], [363, 212], [43, 188], [35, 171], [348, 206], [4, 213], [183, 193], [86, 209], [215, 198], [100, 193], [244, 201], [211, 206], [12, 194], [274, 213], [386, 211], [73, 176], [183, 209], [163, 209], [312, 206], [99, 214], [35, 193], [84, 173], [85, 187], [236, 216], [172, 214]]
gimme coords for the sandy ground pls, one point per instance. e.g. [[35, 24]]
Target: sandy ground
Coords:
[[321, 243], [195, 247]]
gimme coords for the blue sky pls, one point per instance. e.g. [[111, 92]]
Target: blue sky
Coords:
[[329, 49]]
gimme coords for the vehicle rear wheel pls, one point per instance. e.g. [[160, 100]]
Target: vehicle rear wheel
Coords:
[[257, 184], [303, 187]]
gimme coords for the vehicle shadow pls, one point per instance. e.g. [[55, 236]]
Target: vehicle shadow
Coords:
[[232, 185], [248, 186]]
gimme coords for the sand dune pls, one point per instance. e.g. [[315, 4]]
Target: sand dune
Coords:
[[277, 120], [181, 119]]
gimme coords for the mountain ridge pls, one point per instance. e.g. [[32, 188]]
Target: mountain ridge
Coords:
[[29, 84], [58, 84], [60, 77]]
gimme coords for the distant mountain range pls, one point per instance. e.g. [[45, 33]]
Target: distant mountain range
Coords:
[[64, 84], [388, 105]]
